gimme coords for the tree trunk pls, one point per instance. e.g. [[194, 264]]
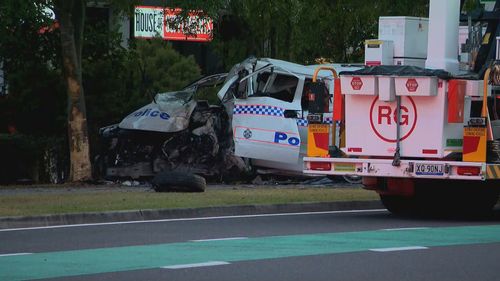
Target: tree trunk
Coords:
[[71, 15]]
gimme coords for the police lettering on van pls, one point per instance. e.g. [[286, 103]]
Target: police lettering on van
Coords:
[[283, 138], [150, 113]]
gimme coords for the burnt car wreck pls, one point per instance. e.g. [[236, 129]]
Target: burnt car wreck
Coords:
[[260, 124]]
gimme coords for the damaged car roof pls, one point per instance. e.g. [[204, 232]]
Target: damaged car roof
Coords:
[[308, 70]]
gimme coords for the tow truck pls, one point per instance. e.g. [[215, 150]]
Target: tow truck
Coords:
[[421, 127]]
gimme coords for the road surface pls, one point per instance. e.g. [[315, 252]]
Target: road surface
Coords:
[[344, 245]]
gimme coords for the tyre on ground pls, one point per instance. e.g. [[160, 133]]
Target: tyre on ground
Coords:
[[178, 182]]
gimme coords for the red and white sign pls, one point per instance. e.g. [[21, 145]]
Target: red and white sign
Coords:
[[201, 28], [383, 119], [158, 22], [421, 86], [356, 83], [372, 124], [359, 85], [411, 85]]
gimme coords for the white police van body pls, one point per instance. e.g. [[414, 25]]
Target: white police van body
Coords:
[[269, 111]]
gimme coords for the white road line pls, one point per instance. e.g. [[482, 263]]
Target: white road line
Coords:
[[191, 265], [219, 239], [399, 249], [14, 254], [404, 228], [194, 219]]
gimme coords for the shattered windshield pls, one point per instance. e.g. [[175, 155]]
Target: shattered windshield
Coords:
[[206, 88], [174, 99], [207, 81]]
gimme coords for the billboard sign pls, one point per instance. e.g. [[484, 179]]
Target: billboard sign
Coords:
[[148, 22], [158, 22]]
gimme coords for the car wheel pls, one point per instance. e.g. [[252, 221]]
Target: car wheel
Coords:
[[178, 182]]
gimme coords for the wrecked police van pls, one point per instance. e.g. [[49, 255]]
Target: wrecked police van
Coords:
[[259, 125]]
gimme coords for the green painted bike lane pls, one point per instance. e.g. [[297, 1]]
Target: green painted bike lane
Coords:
[[92, 261]]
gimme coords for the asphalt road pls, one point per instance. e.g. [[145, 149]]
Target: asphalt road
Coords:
[[357, 245]]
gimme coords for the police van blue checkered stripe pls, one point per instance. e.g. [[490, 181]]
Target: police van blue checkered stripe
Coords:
[[259, 110], [304, 123]]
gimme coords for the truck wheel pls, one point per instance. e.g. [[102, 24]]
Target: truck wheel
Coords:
[[353, 179], [399, 205], [478, 202], [178, 182], [462, 198]]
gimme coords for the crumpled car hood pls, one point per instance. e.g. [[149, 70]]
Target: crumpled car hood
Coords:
[[169, 113]]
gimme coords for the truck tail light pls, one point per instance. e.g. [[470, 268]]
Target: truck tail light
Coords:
[[320, 166], [468, 171]]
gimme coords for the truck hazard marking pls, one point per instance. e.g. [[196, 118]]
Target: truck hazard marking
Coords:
[[383, 119], [493, 171]]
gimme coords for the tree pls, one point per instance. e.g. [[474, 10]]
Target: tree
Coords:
[[28, 50], [298, 30], [160, 68], [71, 16]]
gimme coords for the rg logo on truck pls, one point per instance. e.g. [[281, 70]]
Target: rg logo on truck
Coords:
[[384, 118]]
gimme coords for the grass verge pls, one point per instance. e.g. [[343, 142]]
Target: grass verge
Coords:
[[100, 201]]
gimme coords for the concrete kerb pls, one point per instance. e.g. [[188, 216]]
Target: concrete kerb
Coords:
[[144, 215]]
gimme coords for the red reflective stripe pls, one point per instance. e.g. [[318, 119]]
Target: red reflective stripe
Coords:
[[468, 171], [321, 166], [429, 151], [373, 63], [354, 149]]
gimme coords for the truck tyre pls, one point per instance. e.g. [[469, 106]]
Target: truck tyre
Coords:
[[480, 201], [178, 182], [399, 205], [462, 198], [353, 179]]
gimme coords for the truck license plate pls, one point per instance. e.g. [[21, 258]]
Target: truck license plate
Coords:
[[429, 169]]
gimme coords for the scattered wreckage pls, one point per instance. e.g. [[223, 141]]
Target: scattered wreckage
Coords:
[[260, 125]]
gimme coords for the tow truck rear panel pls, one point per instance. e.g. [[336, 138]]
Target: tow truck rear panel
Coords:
[[423, 137]]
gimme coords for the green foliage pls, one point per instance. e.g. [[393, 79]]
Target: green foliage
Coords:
[[88, 199], [118, 81], [108, 78], [209, 94], [26, 157], [28, 49], [36, 101], [160, 68], [24, 34], [298, 30], [470, 5]]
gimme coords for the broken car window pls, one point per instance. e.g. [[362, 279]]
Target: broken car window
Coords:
[[275, 85]]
